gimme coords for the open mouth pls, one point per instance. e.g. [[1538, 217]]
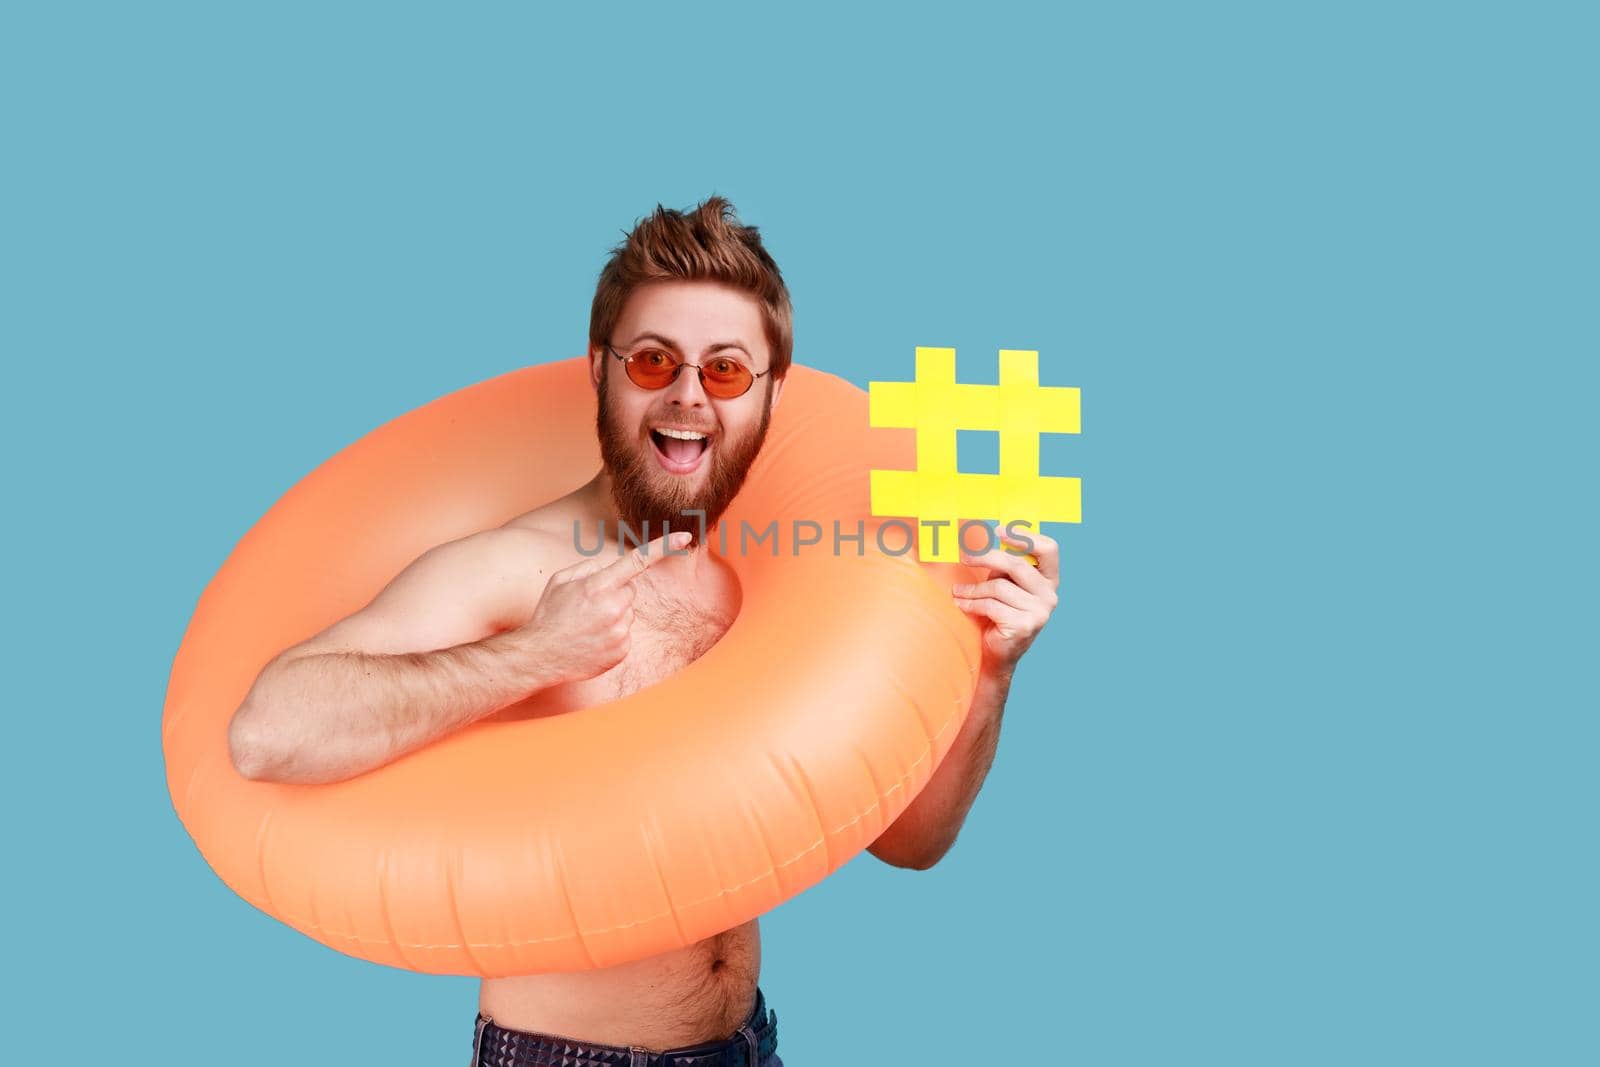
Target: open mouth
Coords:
[[680, 451]]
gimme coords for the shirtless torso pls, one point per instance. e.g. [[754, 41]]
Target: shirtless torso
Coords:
[[702, 992]]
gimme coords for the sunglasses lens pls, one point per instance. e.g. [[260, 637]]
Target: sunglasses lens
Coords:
[[652, 369], [725, 379]]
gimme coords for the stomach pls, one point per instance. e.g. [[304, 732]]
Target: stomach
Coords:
[[703, 992]]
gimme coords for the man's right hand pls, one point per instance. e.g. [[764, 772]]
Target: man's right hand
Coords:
[[582, 623]]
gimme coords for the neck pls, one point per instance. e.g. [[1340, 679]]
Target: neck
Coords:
[[599, 510]]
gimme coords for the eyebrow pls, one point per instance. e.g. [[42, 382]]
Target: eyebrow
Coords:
[[670, 343]]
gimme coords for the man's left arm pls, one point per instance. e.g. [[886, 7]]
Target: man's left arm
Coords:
[[1015, 602]]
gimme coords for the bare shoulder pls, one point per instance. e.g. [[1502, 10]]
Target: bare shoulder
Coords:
[[517, 548], [456, 592], [513, 555], [554, 520]]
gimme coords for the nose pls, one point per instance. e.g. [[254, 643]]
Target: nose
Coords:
[[686, 390]]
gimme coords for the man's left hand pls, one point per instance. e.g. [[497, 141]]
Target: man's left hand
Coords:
[[1017, 598]]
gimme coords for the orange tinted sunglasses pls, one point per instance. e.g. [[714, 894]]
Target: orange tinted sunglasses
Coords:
[[657, 368]]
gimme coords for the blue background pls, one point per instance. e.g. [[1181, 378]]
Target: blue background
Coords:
[[1301, 772]]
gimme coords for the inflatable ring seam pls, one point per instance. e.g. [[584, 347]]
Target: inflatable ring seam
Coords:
[[455, 914]]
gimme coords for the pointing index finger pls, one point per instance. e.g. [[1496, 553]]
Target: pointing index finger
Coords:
[[634, 563]]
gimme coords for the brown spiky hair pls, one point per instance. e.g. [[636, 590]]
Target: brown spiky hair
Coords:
[[705, 243]]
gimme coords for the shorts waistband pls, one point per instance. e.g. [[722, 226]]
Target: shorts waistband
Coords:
[[750, 1045]]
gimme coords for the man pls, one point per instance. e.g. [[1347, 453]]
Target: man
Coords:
[[690, 339]]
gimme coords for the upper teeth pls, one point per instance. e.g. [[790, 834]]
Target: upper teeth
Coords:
[[682, 435]]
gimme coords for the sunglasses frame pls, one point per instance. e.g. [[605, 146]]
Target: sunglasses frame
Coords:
[[682, 363]]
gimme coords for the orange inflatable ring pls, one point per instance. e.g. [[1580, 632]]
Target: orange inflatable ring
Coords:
[[595, 837]]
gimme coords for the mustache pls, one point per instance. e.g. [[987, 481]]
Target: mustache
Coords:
[[652, 424]]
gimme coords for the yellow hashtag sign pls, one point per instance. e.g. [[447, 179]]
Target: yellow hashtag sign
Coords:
[[936, 406]]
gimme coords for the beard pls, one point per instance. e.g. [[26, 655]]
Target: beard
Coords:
[[648, 499]]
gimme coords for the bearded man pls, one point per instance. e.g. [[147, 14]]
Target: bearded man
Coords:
[[690, 338]]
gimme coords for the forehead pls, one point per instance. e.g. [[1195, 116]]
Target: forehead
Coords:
[[695, 315]]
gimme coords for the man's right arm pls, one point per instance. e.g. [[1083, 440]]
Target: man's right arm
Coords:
[[442, 646]]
